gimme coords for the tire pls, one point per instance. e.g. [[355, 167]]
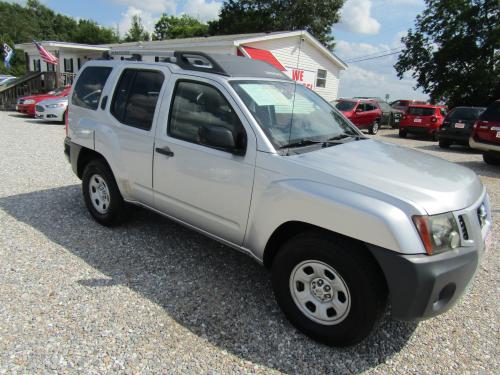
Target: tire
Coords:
[[373, 129], [491, 158], [402, 133], [361, 290], [101, 194], [444, 144]]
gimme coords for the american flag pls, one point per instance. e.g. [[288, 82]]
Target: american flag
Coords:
[[46, 55]]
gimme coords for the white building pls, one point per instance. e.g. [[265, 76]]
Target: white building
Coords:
[[296, 53]]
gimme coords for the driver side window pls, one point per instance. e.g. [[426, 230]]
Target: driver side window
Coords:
[[198, 109]]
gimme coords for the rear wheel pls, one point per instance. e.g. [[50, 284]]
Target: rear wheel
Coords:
[[373, 129], [402, 133], [444, 144], [492, 158], [101, 194], [328, 288]]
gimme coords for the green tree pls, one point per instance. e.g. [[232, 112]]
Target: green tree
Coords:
[[90, 32], [136, 33], [171, 27], [247, 16], [453, 51]]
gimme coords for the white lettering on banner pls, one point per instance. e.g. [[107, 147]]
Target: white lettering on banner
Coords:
[[305, 77]]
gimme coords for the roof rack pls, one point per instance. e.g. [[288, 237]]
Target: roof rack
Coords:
[[188, 60]]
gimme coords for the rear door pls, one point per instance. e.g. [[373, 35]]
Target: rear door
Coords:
[[130, 109], [202, 185]]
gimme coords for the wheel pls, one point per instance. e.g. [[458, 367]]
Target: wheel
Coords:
[[402, 133], [101, 194], [328, 288], [444, 144], [373, 129], [491, 158]]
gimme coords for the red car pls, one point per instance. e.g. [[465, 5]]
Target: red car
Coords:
[[364, 113], [423, 119], [27, 104], [403, 105], [486, 134]]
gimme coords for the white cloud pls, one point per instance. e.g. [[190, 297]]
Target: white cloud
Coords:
[[375, 77], [355, 16], [148, 21], [203, 10], [151, 6]]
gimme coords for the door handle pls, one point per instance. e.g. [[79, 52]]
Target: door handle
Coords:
[[164, 151]]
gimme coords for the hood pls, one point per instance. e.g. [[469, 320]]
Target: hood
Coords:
[[422, 180], [54, 101]]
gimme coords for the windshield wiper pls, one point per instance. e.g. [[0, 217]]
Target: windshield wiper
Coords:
[[301, 143], [344, 135]]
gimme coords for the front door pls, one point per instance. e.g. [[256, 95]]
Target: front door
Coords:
[[205, 186]]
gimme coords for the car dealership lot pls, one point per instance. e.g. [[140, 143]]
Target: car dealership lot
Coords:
[[152, 296]]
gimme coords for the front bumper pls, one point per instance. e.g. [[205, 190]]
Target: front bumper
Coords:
[[27, 109], [51, 114]]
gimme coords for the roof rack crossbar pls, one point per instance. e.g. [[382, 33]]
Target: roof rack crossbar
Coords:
[[187, 60]]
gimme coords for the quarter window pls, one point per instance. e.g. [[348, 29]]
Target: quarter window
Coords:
[[197, 106], [89, 86], [321, 78], [135, 97]]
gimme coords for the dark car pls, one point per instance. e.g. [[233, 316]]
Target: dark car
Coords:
[[486, 134], [457, 126]]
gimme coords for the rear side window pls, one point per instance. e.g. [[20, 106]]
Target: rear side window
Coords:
[[88, 89], [198, 105], [135, 97], [421, 111], [492, 113]]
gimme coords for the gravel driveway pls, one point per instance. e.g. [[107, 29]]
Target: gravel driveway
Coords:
[[152, 296]]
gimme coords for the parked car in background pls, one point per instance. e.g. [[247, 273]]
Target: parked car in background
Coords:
[[403, 105], [390, 116], [364, 113], [423, 119], [486, 134], [457, 126], [27, 104], [52, 109]]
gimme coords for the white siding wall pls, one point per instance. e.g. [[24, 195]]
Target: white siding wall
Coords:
[[286, 50], [84, 56]]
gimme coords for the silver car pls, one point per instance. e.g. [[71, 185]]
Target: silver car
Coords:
[[234, 149], [52, 109]]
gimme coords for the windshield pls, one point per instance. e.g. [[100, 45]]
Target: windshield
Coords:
[[285, 120], [421, 111], [465, 113], [345, 105]]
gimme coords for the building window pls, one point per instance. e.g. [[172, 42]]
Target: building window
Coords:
[[321, 78], [68, 65], [36, 65], [50, 67], [79, 62]]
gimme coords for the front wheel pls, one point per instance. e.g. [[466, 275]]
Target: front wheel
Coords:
[[101, 194], [373, 129], [491, 158], [328, 288]]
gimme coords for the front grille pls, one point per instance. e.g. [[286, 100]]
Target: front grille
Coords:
[[463, 228], [39, 108]]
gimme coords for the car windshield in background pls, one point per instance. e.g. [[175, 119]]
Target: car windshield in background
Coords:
[[492, 113], [421, 111], [345, 105], [465, 113], [308, 119]]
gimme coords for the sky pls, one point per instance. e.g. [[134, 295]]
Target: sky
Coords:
[[367, 27]]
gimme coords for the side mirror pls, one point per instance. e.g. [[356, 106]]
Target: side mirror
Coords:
[[219, 137]]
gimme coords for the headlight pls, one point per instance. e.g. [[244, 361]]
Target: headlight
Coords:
[[54, 105], [438, 232], [29, 101]]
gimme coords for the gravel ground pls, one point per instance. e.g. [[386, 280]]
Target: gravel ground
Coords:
[[152, 296]]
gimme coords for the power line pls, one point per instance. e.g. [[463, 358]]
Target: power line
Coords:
[[373, 54], [374, 57]]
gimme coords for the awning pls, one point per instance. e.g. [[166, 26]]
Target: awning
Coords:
[[263, 55]]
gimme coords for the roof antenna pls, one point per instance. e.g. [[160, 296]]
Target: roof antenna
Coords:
[[294, 91]]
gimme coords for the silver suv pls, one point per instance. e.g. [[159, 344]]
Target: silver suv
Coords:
[[232, 148]]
